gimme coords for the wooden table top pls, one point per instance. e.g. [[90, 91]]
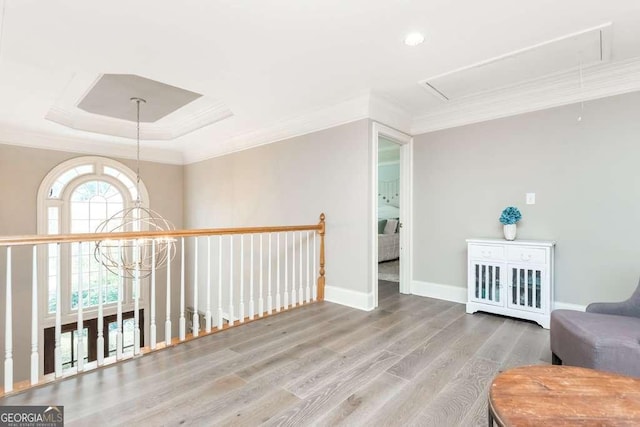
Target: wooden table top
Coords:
[[542, 395]]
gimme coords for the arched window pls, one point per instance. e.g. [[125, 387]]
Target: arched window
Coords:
[[76, 197]]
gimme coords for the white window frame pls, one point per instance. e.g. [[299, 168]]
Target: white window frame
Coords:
[[44, 202]]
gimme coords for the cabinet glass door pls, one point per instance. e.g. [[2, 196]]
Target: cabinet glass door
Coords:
[[525, 288], [486, 279]]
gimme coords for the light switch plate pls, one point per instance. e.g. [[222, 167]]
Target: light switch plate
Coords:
[[531, 198]]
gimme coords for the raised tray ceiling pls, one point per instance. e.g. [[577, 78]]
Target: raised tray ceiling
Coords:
[[111, 93]]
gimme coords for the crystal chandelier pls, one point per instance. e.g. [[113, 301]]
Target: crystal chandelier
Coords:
[[134, 258]]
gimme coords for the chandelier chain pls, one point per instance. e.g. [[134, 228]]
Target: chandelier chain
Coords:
[[135, 258], [138, 152]]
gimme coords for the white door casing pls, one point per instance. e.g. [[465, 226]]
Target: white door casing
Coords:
[[406, 202]]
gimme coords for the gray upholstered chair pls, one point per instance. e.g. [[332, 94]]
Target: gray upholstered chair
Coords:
[[605, 337]]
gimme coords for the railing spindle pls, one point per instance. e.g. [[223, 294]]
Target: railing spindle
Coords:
[[34, 317], [136, 302], [278, 302], [307, 290], [119, 325], [100, 340], [80, 326], [251, 306], [315, 267], [286, 271], [167, 322], [293, 269], [269, 301], [300, 291], [195, 329], [181, 321], [241, 308], [220, 317], [231, 280], [8, 330], [260, 300], [152, 309], [57, 352], [208, 311]]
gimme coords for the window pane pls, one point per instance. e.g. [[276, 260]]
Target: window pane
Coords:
[[97, 207], [66, 177], [56, 189], [128, 336], [112, 330], [84, 169], [52, 258], [52, 220], [108, 170], [89, 208], [85, 344], [67, 350], [52, 295], [80, 226], [80, 210], [69, 341], [122, 178], [52, 213]]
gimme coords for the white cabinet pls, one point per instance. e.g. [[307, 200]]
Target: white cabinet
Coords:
[[513, 278]]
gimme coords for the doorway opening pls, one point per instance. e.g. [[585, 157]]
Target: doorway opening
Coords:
[[390, 212], [389, 224]]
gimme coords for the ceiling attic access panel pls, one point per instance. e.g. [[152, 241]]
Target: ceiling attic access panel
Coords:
[[587, 47]]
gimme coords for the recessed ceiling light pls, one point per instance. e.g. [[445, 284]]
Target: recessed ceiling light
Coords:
[[413, 39]]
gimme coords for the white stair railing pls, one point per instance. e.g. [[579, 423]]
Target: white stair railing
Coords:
[[234, 298]]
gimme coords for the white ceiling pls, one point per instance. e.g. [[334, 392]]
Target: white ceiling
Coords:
[[281, 66]]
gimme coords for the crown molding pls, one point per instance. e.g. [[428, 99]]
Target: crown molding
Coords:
[[389, 114], [339, 114], [45, 141], [368, 106], [358, 108], [599, 81]]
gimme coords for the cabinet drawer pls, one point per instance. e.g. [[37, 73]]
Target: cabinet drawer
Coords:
[[486, 252], [527, 255]]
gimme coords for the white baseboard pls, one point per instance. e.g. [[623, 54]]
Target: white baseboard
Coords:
[[557, 305], [348, 297], [438, 291]]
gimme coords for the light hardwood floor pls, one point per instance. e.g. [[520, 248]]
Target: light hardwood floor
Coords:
[[413, 361]]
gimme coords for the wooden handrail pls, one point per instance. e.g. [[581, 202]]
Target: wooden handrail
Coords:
[[37, 239]]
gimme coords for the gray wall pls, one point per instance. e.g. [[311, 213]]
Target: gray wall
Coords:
[[587, 184], [21, 172], [292, 182]]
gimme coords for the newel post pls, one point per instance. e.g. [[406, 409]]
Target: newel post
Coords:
[[321, 232]]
